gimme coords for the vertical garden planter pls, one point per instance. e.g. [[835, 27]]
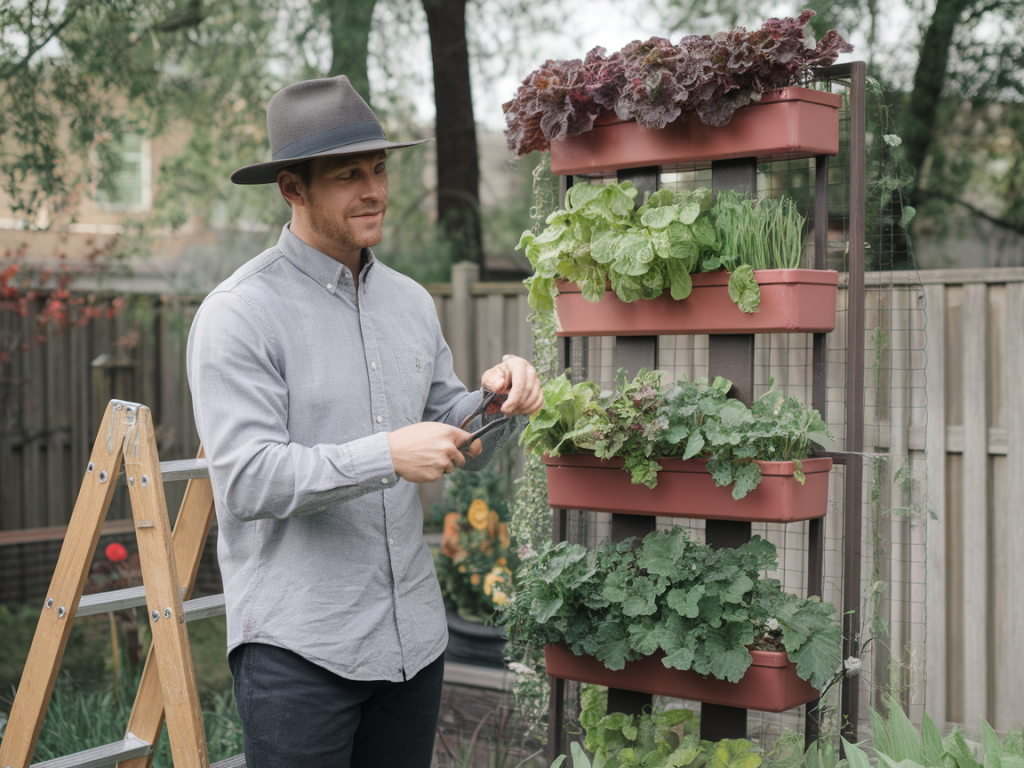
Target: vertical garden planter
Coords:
[[792, 123], [769, 685], [792, 301], [686, 489]]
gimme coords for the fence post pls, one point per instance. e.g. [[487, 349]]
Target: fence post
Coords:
[[460, 332]]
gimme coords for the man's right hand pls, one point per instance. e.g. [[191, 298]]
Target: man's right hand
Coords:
[[423, 452]]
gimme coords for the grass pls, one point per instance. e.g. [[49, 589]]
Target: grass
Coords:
[[88, 709]]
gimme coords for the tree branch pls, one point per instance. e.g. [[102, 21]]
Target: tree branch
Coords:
[[69, 14], [192, 17], [1013, 226]]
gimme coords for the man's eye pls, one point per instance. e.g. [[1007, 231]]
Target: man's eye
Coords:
[[381, 168]]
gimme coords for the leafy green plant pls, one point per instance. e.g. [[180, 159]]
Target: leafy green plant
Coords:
[[703, 421], [599, 240], [623, 423], [654, 739], [898, 743], [704, 608], [640, 423]]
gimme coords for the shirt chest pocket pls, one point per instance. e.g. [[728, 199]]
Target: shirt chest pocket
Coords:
[[415, 369]]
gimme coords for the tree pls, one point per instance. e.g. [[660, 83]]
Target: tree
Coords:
[[956, 76], [458, 169], [962, 104]]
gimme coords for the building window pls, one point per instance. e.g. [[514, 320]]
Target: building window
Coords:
[[131, 187]]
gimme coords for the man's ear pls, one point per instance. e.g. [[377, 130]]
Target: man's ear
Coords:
[[292, 188]]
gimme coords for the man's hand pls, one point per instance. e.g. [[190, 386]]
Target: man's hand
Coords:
[[515, 376], [423, 452]]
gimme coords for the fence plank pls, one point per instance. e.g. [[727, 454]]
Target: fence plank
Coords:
[[935, 474], [1008, 566], [975, 532]]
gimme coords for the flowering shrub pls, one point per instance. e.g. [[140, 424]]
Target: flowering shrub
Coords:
[[473, 565]]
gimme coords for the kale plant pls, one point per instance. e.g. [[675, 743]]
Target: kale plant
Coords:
[[705, 609], [655, 82]]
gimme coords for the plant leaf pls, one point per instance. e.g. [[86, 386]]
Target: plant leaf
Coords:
[[743, 289]]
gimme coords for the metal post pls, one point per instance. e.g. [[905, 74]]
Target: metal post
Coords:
[[730, 356], [852, 550]]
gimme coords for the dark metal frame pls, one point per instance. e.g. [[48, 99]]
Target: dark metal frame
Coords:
[[732, 356]]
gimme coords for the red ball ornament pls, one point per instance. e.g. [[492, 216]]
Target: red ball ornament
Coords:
[[116, 553]]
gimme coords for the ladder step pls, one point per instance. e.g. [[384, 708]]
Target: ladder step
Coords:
[[115, 600], [135, 597], [109, 754], [182, 469], [204, 607], [238, 761]]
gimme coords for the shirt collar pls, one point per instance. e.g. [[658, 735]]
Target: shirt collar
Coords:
[[317, 264]]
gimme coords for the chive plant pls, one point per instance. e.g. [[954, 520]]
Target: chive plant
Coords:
[[766, 233]]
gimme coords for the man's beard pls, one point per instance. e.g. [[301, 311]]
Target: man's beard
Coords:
[[334, 231]]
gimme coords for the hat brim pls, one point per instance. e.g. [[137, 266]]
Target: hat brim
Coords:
[[266, 173]]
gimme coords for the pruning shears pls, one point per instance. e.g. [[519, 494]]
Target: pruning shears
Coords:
[[489, 411]]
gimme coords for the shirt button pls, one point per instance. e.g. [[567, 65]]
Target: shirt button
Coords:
[[329, 286], [380, 419], [373, 366], [384, 480], [391, 542]]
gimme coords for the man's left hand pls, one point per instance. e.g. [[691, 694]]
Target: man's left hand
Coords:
[[516, 377]]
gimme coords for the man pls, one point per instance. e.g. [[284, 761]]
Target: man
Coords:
[[323, 392]]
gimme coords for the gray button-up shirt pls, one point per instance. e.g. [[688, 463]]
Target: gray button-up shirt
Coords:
[[295, 387]]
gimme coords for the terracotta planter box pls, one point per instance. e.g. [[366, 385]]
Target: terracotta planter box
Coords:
[[686, 489], [769, 685], [792, 123], [792, 301]]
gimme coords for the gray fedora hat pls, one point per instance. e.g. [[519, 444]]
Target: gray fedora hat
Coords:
[[316, 118]]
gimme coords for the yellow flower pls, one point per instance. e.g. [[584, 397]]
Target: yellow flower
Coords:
[[492, 524], [462, 569], [498, 597], [496, 578], [503, 538], [479, 516], [474, 579]]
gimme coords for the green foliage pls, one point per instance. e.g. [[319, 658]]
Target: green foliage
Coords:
[[703, 608], [84, 658], [599, 239], [703, 421], [898, 744], [623, 423], [654, 739], [639, 423]]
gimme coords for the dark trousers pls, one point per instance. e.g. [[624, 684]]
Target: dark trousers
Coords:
[[298, 715]]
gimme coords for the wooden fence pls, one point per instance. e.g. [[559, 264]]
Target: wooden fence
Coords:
[[944, 457]]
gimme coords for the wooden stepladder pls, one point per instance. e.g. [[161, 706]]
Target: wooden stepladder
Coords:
[[169, 566]]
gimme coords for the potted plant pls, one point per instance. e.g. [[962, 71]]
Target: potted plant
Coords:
[[676, 264], [655, 102], [475, 565], [674, 617], [688, 452]]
